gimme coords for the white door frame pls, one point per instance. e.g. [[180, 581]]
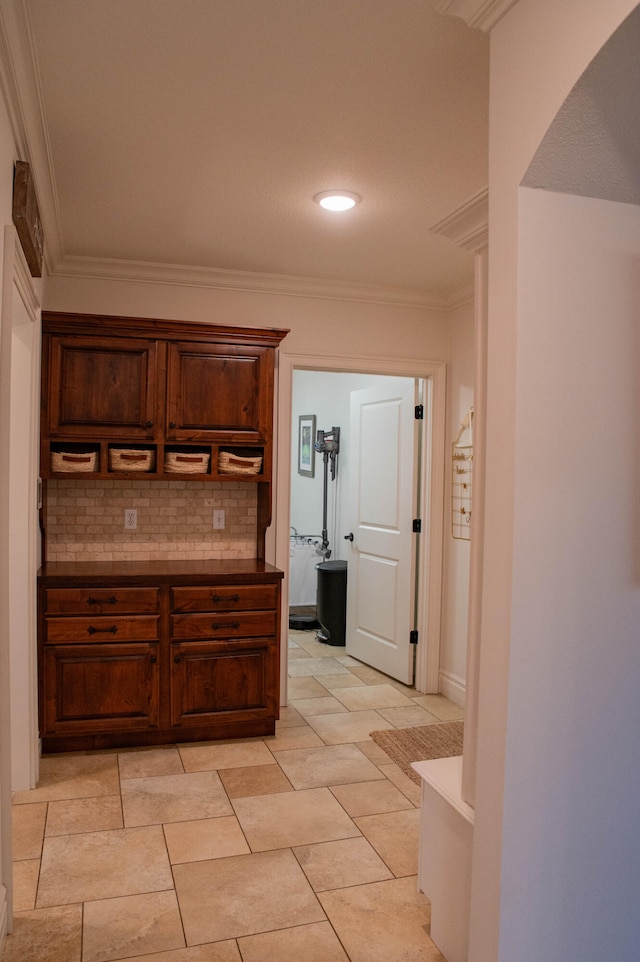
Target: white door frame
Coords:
[[430, 558], [20, 320], [18, 673]]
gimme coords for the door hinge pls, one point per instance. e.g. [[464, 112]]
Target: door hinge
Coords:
[[413, 637], [419, 412], [417, 525]]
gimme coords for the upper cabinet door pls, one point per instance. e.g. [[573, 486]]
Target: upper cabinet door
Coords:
[[219, 392], [102, 387]]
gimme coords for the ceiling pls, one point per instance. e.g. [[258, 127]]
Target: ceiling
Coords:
[[195, 133]]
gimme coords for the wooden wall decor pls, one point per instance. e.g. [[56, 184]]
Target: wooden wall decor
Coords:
[[26, 217]]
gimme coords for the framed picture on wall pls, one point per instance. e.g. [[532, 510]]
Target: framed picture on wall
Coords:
[[306, 438]]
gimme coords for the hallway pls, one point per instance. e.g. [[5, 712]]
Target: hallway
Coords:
[[302, 845]]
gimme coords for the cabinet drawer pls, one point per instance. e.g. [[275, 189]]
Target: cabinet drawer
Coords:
[[87, 630], [223, 598], [224, 625], [98, 601]]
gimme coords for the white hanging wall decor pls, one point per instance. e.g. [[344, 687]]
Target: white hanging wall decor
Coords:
[[461, 479]]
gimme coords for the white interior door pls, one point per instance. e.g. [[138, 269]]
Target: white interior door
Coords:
[[381, 508]]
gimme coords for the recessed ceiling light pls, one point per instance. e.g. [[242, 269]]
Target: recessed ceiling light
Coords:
[[337, 199]]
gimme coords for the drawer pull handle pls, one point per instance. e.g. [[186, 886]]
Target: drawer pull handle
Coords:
[[102, 601], [216, 627], [94, 631], [228, 598]]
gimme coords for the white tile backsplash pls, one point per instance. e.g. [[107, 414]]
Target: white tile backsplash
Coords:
[[85, 520]]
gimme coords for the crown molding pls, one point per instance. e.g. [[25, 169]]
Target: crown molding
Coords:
[[9, 88], [143, 272], [461, 297], [482, 14], [20, 87], [468, 225]]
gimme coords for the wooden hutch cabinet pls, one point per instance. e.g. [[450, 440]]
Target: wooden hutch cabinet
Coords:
[[172, 392], [143, 653], [146, 653]]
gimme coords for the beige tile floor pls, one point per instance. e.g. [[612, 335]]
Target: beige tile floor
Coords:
[[300, 846]]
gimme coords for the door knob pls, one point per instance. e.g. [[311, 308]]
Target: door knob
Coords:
[[349, 537]]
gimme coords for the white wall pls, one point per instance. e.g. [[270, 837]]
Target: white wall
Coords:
[[7, 157], [460, 396], [317, 326], [19, 365], [538, 52], [6, 164], [21, 368], [571, 815]]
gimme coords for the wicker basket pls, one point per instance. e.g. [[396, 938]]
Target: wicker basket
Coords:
[[181, 462], [74, 461], [131, 459], [229, 463]]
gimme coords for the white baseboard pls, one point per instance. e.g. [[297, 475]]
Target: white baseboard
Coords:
[[4, 918], [452, 687]]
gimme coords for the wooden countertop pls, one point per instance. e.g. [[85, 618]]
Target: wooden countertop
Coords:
[[228, 570]]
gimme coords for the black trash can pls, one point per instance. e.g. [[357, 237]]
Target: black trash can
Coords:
[[331, 603]]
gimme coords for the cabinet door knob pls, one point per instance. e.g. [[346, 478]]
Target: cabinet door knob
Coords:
[[177, 659], [172, 424], [148, 424], [153, 659], [349, 537]]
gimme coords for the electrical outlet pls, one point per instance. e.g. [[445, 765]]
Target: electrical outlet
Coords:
[[218, 519], [130, 519]]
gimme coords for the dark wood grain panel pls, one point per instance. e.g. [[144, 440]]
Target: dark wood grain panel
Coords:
[[223, 624], [96, 601], [82, 630], [102, 387], [212, 681], [223, 598], [92, 688]]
